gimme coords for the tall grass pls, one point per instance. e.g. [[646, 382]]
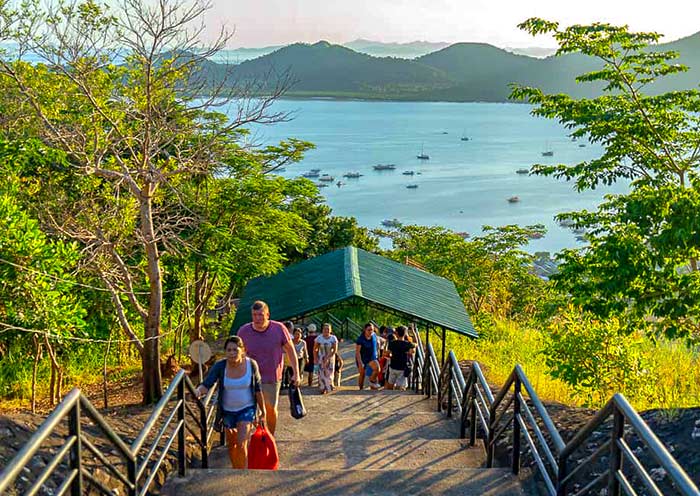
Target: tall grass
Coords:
[[506, 344], [674, 368]]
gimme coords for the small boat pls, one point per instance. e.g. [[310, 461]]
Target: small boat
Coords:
[[548, 152], [422, 155], [339, 183], [462, 234], [326, 178], [535, 235], [310, 174], [381, 167], [408, 173], [464, 138], [391, 223], [566, 222], [522, 171], [321, 185], [581, 145], [352, 175], [513, 199], [445, 132], [411, 186], [314, 170]]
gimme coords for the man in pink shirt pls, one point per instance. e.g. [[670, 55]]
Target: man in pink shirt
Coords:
[[266, 341]]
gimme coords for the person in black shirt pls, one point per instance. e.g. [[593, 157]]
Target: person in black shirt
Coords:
[[400, 351]]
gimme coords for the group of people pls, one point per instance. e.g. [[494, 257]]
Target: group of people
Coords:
[[317, 355], [266, 353], [385, 359], [249, 379]]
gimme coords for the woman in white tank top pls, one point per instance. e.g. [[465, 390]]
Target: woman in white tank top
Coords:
[[240, 398]]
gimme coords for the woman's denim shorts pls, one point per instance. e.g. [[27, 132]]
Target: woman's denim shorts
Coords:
[[231, 419]]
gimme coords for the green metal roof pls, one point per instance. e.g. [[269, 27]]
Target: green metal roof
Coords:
[[316, 284]]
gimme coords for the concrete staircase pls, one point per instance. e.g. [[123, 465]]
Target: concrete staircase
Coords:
[[360, 443]]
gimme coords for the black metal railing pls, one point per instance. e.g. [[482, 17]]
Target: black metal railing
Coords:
[[138, 471], [619, 450], [352, 329], [518, 407], [510, 409]]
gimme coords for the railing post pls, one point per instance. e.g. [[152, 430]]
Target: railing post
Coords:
[[427, 387], [439, 391], [131, 475], [181, 443], [516, 426], [449, 395], [491, 441], [465, 411], [76, 488], [472, 420], [204, 435], [618, 432], [561, 475]]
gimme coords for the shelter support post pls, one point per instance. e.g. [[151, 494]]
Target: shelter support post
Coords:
[[444, 344]]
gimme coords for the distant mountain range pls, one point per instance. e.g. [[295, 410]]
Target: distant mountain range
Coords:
[[375, 48], [401, 50], [458, 72]]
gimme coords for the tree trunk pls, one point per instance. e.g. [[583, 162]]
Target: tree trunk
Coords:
[[104, 370], [199, 285], [152, 382], [37, 358]]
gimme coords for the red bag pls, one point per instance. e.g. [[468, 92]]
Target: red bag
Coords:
[[262, 450]]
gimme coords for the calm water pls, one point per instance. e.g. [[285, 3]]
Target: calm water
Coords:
[[463, 186]]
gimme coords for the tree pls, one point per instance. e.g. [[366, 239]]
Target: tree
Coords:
[[641, 261], [245, 228], [327, 232], [120, 93], [40, 308], [491, 272]]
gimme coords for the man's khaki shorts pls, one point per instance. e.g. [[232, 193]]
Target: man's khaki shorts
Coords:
[[271, 393]]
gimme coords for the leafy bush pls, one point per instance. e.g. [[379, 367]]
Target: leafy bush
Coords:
[[597, 358]]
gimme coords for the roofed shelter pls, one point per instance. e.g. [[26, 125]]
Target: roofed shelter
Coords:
[[317, 284]]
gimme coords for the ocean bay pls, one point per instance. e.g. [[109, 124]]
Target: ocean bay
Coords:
[[463, 186]]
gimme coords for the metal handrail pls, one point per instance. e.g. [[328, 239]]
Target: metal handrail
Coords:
[[523, 421], [353, 329], [623, 413], [75, 404], [478, 403]]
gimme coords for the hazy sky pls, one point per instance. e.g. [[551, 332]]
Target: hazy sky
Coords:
[[273, 22]]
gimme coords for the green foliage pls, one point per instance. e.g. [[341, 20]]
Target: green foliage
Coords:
[[491, 272], [641, 263], [37, 289], [597, 359], [326, 231]]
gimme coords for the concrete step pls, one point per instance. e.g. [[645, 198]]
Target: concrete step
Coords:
[[373, 454], [395, 427], [324, 482], [351, 401]]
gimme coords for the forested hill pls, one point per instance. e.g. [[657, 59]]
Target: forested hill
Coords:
[[459, 72], [323, 67]]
